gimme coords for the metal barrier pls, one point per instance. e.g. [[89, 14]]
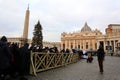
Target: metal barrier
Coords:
[[44, 61]]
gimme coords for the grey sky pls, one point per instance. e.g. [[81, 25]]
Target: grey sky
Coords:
[[57, 16]]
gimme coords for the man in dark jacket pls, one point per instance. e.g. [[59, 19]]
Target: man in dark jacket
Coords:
[[5, 58], [100, 55]]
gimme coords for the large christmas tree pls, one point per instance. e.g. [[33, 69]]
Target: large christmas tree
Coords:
[[37, 35]]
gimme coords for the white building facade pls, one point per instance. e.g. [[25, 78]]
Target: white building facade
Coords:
[[88, 39]]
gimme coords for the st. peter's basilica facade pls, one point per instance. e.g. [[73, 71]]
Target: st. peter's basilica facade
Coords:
[[88, 39]]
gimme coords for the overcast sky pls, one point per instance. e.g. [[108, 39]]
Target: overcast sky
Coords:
[[57, 16]]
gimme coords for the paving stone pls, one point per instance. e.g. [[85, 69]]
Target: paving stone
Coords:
[[83, 71]]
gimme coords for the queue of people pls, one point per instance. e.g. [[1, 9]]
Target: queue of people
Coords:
[[14, 61], [5, 58]]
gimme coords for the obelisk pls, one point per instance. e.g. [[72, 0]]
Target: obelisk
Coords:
[[26, 24]]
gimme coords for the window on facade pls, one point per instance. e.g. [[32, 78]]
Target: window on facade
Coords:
[[78, 46], [63, 46], [112, 43], [71, 46], [116, 40], [86, 45], [108, 43], [95, 45], [82, 47]]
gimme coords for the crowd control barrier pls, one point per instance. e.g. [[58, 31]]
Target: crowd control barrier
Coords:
[[44, 61]]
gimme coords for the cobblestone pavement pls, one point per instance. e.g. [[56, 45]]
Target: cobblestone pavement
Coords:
[[83, 71]]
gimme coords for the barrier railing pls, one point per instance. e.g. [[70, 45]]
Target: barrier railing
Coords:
[[45, 61]]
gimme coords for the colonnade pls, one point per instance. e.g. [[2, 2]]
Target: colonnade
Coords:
[[83, 44]]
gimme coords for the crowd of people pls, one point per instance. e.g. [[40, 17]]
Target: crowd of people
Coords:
[[15, 60]]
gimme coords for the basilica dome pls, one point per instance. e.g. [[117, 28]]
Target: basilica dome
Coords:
[[86, 28]]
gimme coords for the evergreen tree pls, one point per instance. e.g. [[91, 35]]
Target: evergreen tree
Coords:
[[37, 35]]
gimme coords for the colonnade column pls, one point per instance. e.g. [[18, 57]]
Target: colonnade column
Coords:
[[83, 44], [110, 43], [104, 45], [69, 44], [77, 44], [74, 44], [114, 46], [66, 44], [93, 44], [98, 43]]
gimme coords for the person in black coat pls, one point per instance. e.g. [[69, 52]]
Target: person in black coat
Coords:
[[100, 55], [24, 60], [15, 59], [5, 58]]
